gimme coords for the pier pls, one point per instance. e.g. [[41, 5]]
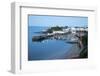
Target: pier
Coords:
[[47, 36], [41, 37]]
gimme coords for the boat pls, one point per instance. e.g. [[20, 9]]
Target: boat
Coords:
[[73, 40]]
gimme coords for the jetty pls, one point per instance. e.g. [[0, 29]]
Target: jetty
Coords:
[[41, 37], [48, 36]]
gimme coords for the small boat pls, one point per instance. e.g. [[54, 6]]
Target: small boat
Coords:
[[73, 40]]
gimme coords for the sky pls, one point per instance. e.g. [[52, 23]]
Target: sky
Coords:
[[71, 21]]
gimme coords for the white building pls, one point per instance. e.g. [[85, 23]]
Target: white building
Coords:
[[60, 32], [66, 30], [73, 30], [81, 29]]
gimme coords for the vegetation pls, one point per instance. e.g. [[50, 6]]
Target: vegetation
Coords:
[[56, 28], [84, 52]]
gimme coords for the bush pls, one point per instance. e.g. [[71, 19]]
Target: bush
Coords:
[[56, 28], [84, 52]]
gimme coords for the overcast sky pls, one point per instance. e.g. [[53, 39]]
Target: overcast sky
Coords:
[[71, 21]]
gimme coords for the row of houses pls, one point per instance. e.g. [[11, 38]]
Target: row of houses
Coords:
[[72, 30]]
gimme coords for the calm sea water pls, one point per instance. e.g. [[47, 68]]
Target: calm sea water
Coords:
[[46, 50]]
